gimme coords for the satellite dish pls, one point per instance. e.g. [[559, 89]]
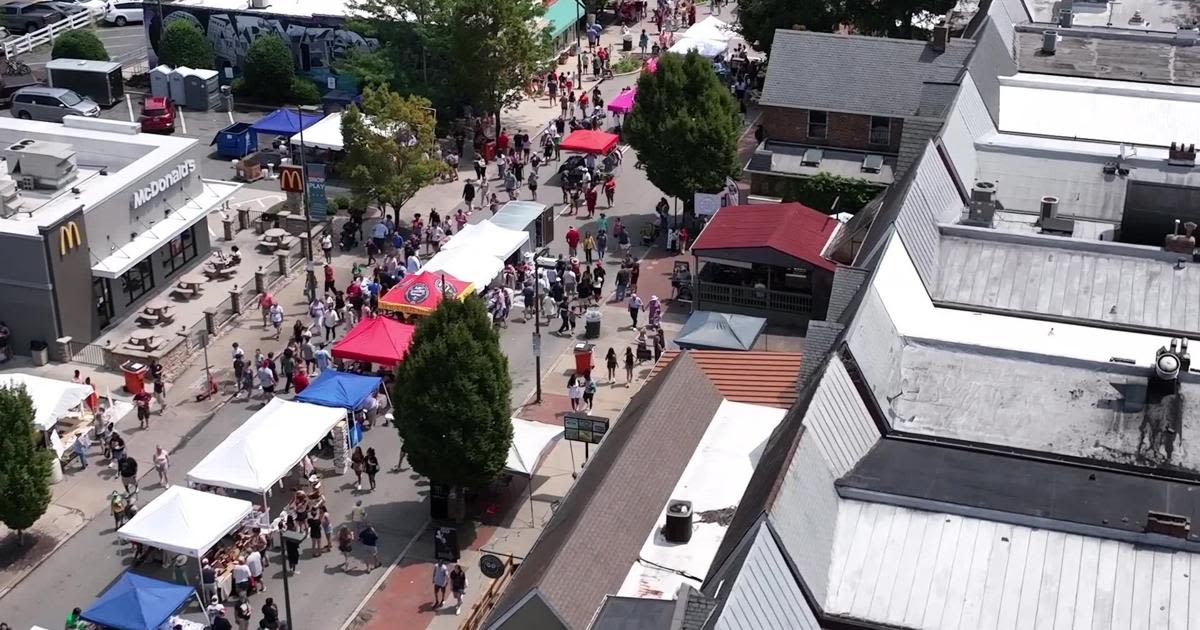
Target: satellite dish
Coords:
[[491, 566]]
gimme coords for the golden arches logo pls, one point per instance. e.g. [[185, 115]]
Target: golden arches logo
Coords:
[[291, 179], [68, 238]]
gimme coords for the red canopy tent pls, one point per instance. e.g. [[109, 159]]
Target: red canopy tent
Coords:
[[421, 292], [589, 141], [381, 340]]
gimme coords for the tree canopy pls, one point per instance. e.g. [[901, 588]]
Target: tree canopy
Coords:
[[269, 70], [80, 44], [495, 51], [452, 397], [758, 19], [24, 467], [391, 148], [182, 44], [684, 127]]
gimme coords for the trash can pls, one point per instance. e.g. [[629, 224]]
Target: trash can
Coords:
[[135, 376], [591, 323], [627, 45], [583, 358], [41, 355]]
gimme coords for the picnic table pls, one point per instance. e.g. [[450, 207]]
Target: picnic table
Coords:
[[143, 340], [189, 286], [156, 313], [219, 267], [275, 239]]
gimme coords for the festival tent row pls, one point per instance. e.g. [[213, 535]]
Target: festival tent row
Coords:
[[185, 521], [266, 447], [324, 134], [488, 238], [284, 122], [379, 340], [477, 268]]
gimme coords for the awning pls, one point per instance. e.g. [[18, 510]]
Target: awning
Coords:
[[489, 238], [531, 444], [518, 215], [589, 141], [623, 102], [137, 602], [340, 389], [561, 15], [421, 292], [477, 267], [325, 134], [52, 399], [266, 447], [156, 236], [185, 521], [284, 122], [724, 331], [381, 340]]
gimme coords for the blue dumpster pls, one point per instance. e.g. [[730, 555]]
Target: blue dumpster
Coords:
[[236, 141]]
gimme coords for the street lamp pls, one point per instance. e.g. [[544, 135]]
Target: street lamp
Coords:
[[310, 279], [298, 538]]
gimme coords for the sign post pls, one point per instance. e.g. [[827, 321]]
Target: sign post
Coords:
[[580, 427]]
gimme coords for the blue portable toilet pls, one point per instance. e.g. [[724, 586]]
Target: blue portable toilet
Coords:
[[236, 141]]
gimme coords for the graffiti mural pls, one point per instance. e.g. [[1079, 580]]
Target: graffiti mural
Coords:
[[316, 43]]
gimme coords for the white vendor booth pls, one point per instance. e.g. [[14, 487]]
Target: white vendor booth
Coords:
[[52, 399], [532, 442], [469, 265], [489, 238], [323, 134], [266, 447], [709, 37], [185, 521]]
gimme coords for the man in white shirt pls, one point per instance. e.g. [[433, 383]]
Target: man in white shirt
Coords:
[[254, 562], [241, 576]]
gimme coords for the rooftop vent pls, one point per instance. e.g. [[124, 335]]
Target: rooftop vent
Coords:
[[812, 157], [1162, 421], [1066, 17], [259, 4], [1050, 222], [1182, 155], [1168, 524], [981, 211], [941, 37], [1049, 42], [872, 164], [1181, 243], [1187, 36], [679, 522]]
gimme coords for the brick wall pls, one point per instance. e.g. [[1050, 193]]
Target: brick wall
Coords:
[[847, 131]]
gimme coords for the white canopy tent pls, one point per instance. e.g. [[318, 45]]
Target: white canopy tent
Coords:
[[52, 399], [266, 447], [531, 444], [709, 37], [323, 134], [489, 238], [469, 265], [185, 521]]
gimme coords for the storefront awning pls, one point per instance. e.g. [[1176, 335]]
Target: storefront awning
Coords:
[[125, 257], [561, 15]]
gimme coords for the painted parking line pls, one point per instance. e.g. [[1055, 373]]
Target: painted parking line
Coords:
[[182, 120], [129, 104]]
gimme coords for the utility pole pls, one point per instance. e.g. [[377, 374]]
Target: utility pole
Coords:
[[537, 328], [310, 274]]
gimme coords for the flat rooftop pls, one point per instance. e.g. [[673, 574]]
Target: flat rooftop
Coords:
[[1081, 410], [781, 158], [1153, 60], [298, 8], [1138, 15]]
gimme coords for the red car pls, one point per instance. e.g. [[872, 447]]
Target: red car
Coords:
[[157, 115]]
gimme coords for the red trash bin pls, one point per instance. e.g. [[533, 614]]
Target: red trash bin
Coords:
[[135, 376], [583, 358], [489, 151]]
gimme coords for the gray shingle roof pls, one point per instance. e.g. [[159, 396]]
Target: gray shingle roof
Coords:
[[854, 73]]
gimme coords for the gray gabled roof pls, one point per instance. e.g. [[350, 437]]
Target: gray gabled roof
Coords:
[[868, 75]]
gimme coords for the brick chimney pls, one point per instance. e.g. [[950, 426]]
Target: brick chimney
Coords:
[[1182, 155], [941, 37]]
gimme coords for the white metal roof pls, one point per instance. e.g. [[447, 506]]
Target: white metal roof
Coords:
[[185, 521]]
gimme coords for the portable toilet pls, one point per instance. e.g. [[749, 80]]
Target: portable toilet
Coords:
[[178, 84], [202, 90], [160, 81]]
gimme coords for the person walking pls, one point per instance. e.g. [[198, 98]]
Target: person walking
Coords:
[[242, 614], [629, 362], [458, 585], [265, 300], [468, 192], [287, 363], [276, 316], [589, 245], [346, 546], [313, 520], [357, 460], [158, 375], [266, 380], [564, 313], [370, 541], [128, 469], [162, 461], [141, 401], [327, 246], [572, 237], [610, 361], [589, 392], [292, 547], [440, 577], [116, 505], [371, 466], [643, 42], [533, 184], [254, 560], [601, 245], [574, 392], [270, 615], [327, 527], [330, 320]]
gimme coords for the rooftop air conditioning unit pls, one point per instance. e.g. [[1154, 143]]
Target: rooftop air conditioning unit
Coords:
[[678, 529], [40, 164], [1048, 218], [981, 210], [259, 4]]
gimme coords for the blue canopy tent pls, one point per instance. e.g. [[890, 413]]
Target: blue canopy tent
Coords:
[[340, 389], [137, 602], [344, 390], [284, 122]]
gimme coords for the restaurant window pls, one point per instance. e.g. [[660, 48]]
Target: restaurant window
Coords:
[[102, 294], [138, 281], [818, 124], [881, 131], [179, 252]]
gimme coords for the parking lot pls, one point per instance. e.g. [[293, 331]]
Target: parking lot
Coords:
[[125, 44]]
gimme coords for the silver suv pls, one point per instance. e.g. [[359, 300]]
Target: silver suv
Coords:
[[51, 104]]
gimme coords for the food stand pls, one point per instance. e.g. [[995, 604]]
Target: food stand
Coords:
[[378, 340], [421, 292], [136, 602]]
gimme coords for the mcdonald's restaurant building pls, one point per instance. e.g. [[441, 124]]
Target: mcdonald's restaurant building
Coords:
[[95, 218]]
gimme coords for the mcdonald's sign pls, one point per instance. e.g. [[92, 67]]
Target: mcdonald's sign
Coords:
[[68, 238], [291, 179]]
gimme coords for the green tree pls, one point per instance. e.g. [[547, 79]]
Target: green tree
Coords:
[[891, 18], [452, 393], [829, 193], [81, 44], [25, 468], [684, 127], [182, 44], [494, 51], [758, 19], [391, 149], [269, 70]]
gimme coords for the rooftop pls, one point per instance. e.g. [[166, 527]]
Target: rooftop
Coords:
[[297, 8], [860, 74], [791, 229], [758, 378], [1125, 58], [779, 158], [1151, 15]]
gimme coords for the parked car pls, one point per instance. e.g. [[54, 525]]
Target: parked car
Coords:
[[23, 16], [66, 7], [157, 115], [51, 104], [122, 13], [96, 6]]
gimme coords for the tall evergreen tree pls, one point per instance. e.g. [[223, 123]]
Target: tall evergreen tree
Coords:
[[452, 397], [684, 127], [25, 468]]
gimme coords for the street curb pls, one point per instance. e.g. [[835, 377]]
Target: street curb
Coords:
[[395, 563]]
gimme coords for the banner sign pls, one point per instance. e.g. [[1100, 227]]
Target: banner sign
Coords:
[[318, 204]]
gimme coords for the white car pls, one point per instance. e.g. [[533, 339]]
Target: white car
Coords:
[[122, 13]]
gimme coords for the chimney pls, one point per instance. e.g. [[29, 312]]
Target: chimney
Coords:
[[1182, 155], [981, 210], [1181, 243], [1049, 208], [941, 37], [1172, 525], [1049, 42]]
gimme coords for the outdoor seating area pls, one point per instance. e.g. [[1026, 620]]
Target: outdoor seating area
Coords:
[[276, 239], [156, 313], [220, 267], [189, 287], [144, 341]]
